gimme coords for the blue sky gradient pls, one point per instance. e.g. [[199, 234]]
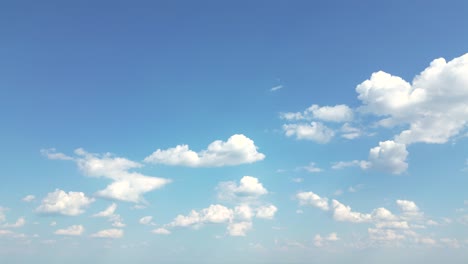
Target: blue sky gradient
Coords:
[[233, 131]]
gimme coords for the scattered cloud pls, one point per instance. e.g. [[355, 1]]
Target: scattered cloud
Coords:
[[320, 241], [161, 231], [74, 230], [337, 113], [239, 228], [314, 131], [62, 203], [276, 88], [109, 233], [19, 223], [312, 168], [109, 213], [266, 212], [238, 149], [249, 188], [146, 220], [28, 198], [310, 198], [52, 154]]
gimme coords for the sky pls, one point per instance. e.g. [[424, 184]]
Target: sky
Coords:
[[234, 132]]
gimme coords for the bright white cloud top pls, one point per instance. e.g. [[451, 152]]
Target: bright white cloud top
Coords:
[[238, 149]]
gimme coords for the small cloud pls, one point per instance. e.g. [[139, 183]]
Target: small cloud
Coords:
[[276, 88], [161, 231], [29, 198], [297, 180], [109, 233], [75, 230], [312, 168]]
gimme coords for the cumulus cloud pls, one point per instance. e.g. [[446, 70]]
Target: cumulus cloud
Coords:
[[28, 198], [239, 229], [109, 213], [238, 149], [344, 213], [320, 241], [161, 231], [60, 202], [146, 220], [109, 233], [314, 131], [310, 198], [266, 212], [74, 230], [337, 113], [19, 223], [248, 188], [434, 105], [384, 234], [312, 168], [52, 154], [213, 214]]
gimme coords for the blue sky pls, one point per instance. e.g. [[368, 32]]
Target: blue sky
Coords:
[[233, 131]]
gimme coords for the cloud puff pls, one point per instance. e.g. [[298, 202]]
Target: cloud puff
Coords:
[[238, 149], [389, 156], [52, 154], [28, 198], [315, 131], [109, 213], [161, 231], [60, 202], [337, 113], [239, 229], [213, 214], [146, 220], [312, 168], [19, 223], [310, 198], [109, 233], [266, 212], [249, 188], [74, 230], [320, 241], [434, 105], [276, 88], [127, 186], [343, 213]]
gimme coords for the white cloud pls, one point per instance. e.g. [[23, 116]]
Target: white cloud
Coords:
[[297, 180], [434, 105], [238, 149], [389, 156], [127, 186], [161, 231], [243, 212], [19, 223], [409, 209], [315, 131], [344, 214], [355, 163], [28, 198], [74, 230], [52, 154], [384, 234], [312, 168], [239, 229], [393, 225], [108, 212], [266, 212], [249, 188], [276, 88], [320, 241], [337, 113], [350, 132], [213, 214], [60, 202], [145, 220], [310, 198], [53, 223], [109, 233], [2, 214]]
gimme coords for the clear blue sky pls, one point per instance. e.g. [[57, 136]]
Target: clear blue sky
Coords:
[[233, 131]]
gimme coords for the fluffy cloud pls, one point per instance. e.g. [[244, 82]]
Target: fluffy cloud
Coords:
[[213, 214], [434, 105], [28, 198], [127, 186], [145, 220], [19, 223], [74, 230], [109, 213], [248, 188], [314, 131], [109, 233], [60, 202], [384, 234], [337, 113], [52, 154], [343, 213], [239, 229], [312, 168], [266, 212], [320, 241], [389, 156], [238, 149], [310, 198], [161, 231]]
